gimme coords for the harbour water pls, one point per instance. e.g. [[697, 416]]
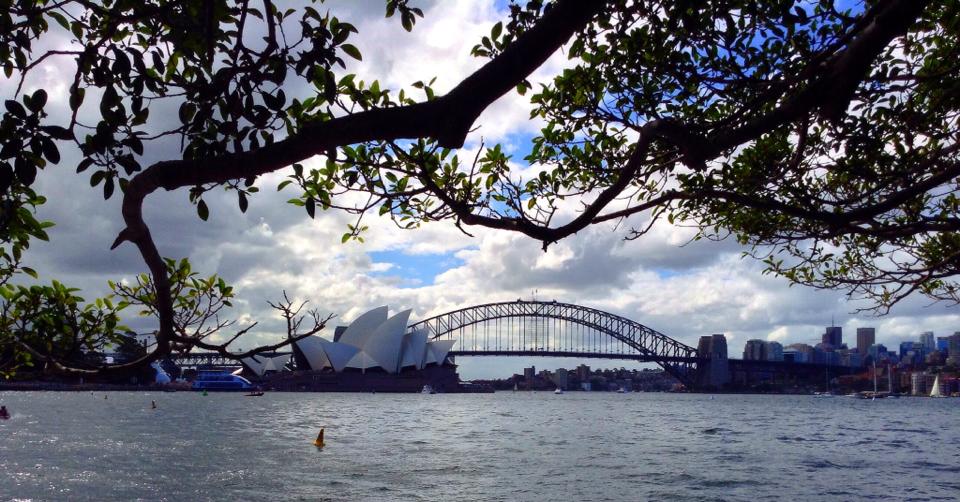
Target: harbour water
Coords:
[[503, 446]]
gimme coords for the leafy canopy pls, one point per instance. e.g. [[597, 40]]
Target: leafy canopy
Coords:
[[821, 133]]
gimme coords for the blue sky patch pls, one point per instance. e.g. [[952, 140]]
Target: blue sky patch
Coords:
[[415, 270]]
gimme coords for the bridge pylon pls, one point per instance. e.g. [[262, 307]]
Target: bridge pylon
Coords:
[[713, 368]]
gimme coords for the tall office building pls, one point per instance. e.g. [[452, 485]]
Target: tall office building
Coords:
[[865, 338], [926, 339], [774, 351], [754, 350], [953, 349], [833, 336]]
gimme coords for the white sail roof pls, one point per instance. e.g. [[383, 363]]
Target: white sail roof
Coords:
[[362, 361], [385, 343], [414, 349], [255, 363], [372, 340], [338, 354], [260, 364], [439, 350], [360, 330], [278, 363], [312, 348]]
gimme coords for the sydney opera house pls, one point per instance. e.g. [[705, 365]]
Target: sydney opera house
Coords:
[[375, 352]]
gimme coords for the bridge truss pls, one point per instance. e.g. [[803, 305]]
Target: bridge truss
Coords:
[[554, 329]]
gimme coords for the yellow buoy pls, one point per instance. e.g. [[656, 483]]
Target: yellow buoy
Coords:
[[319, 441]]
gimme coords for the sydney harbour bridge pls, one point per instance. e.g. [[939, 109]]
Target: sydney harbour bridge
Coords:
[[555, 329]]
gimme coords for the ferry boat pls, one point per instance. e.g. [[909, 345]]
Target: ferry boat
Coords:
[[216, 380]]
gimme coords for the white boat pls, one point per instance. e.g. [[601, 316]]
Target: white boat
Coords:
[[935, 391], [558, 391], [621, 390], [427, 389], [822, 394]]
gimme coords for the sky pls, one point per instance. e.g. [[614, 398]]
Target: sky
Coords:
[[681, 288]]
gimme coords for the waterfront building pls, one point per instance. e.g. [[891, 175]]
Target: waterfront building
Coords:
[[801, 352], [529, 373], [561, 378], [953, 349], [260, 365], [754, 350], [774, 351], [877, 351], [866, 337], [583, 372], [373, 341], [910, 353], [934, 358], [833, 336], [921, 383], [824, 353], [850, 358]]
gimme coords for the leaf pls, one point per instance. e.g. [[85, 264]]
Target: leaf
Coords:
[[242, 201], [16, 109], [352, 51], [311, 206], [108, 187], [50, 150], [76, 97], [26, 171], [38, 100], [58, 132], [202, 211], [187, 110]]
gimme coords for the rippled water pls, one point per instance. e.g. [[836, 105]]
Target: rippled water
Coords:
[[504, 446]]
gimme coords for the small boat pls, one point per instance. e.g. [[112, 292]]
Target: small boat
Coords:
[[558, 391], [621, 390], [427, 389], [255, 393], [822, 395]]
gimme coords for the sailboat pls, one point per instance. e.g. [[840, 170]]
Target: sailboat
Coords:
[[827, 392], [935, 392], [875, 394]]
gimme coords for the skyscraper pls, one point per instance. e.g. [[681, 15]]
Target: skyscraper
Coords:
[[833, 336], [926, 339], [865, 338], [754, 350]]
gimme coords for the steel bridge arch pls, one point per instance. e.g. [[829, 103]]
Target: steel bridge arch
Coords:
[[650, 345]]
